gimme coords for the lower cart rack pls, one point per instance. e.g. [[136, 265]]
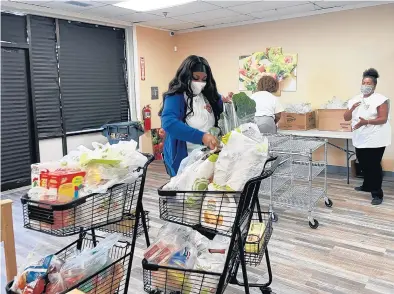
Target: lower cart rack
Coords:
[[112, 278]]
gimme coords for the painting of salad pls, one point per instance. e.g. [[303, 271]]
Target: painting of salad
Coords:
[[158, 142], [283, 67]]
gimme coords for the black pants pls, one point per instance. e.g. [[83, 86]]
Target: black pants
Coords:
[[370, 163]]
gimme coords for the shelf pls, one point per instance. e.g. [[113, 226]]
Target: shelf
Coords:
[[300, 170], [277, 183], [297, 146], [298, 196]]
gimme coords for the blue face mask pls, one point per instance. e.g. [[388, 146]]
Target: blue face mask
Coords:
[[366, 89]]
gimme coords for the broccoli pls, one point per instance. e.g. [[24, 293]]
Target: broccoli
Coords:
[[245, 107]]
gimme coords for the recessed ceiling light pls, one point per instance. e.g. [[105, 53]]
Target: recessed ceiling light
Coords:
[[147, 5]]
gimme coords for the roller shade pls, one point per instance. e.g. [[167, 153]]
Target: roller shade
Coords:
[[92, 77], [44, 76], [13, 28], [16, 143]]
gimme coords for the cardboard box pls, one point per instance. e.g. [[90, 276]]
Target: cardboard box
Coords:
[[332, 120], [295, 121]]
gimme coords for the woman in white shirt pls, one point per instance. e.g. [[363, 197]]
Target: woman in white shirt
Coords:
[[268, 107], [369, 113]]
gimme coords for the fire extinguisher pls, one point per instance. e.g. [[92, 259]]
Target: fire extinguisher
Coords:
[[146, 116]]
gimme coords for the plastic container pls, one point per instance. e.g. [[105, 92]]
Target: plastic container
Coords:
[[124, 131]]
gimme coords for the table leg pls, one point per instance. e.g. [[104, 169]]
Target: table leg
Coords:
[[347, 161], [7, 236]]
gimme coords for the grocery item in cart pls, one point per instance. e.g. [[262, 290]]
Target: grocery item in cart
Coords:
[[218, 210], [255, 238], [32, 275], [38, 168], [65, 184]]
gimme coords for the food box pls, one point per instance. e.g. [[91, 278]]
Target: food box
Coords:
[[255, 238], [297, 121], [332, 120], [38, 168], [63, 183]]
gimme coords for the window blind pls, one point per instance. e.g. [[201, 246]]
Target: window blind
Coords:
[[92, 75]]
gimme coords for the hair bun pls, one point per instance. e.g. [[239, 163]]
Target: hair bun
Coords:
[[371, 73]]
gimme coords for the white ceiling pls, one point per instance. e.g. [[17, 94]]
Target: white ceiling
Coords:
[[200, 14]]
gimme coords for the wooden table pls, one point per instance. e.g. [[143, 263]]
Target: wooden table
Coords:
[[7, 236], [327, 135]]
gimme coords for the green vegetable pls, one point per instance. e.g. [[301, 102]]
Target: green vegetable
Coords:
[[244, 106]]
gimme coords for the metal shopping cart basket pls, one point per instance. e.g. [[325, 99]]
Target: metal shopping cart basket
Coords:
[[113, 278], [177, 207], [117, 210]]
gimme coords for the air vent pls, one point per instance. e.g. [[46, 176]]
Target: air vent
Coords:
[[77, 3]]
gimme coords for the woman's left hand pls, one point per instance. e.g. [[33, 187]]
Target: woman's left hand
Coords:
[[229, 98], [362, 122]]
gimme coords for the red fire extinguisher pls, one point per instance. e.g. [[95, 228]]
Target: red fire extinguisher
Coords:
[[146, 116]]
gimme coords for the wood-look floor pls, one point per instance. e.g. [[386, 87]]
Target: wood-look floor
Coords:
[[352, 251]]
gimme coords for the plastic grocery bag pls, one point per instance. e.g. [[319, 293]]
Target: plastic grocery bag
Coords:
[[84, 264], [241, 159], [300, 108], [228, 119]]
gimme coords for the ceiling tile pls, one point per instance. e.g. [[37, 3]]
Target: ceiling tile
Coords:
[[264, 13], [64, 5], [212, 14], [30, 2], [181, 26], [296, 9], [140, 17], [329, 4], [227, 20], [193, 7], [110, 11], [264, 5], [226, 4]]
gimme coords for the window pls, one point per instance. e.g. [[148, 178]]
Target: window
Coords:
[[92, 75]]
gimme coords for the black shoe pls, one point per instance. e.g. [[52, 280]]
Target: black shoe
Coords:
[[361, 189], [377, 201]]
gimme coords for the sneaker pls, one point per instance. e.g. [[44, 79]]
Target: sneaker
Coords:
[[377, 201], [361, 189]]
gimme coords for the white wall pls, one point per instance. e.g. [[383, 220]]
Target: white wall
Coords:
[[51, 149]]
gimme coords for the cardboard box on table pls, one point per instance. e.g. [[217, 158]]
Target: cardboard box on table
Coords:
[[296, 121], [332, 120]]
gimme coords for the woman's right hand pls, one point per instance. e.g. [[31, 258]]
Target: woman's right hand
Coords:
[[355, 105], [210, 141]]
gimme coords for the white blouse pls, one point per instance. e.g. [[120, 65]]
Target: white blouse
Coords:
[[201, 119], [370, 136]]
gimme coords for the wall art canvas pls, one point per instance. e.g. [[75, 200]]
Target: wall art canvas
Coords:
[[272, 61]]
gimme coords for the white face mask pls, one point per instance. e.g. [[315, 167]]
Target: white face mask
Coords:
[[366, 89], [197, 87]]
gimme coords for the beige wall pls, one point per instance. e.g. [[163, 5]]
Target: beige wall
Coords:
[[157, 48], [333, 50]]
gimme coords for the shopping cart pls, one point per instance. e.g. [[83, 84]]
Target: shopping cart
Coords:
[[177, 207], [112, 278], [117, 210]]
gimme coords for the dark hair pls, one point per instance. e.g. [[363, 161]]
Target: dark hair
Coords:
[[181, 84], [372, 74], [267, 83]]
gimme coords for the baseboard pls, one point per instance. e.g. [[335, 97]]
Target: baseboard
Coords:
[[334, 169]]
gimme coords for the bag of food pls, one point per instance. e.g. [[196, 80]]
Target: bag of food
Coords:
[[218, 210]]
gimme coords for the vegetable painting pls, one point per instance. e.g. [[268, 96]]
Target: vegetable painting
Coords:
[[283, 67]]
